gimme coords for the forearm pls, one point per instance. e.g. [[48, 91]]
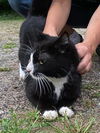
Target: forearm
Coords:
[[92, 37], [57, 16]]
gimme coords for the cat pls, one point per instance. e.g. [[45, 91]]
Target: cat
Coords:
[[48, 66]]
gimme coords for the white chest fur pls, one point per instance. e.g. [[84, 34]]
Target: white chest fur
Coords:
[[58, 84]]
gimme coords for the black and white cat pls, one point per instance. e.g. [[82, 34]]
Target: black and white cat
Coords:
[[48, 65]]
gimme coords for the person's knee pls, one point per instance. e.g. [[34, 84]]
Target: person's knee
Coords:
[[20, 6], [14, 4]]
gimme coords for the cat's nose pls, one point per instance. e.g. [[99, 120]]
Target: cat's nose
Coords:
[[28, 70], [29, 67]]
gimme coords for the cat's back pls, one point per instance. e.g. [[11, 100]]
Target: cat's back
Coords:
[[31, 25], [35, 21]]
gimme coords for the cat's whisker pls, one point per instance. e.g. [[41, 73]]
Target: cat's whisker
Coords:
[[47, 84], [36, 85], [26, 75], [46, 81], [25, 45], [63, 69], [48, 87], [39, 86], [41, 78], [30, 43], [42, 84], [68, 73], [70, 76], [26, 50], [39, 82], [25, 54]]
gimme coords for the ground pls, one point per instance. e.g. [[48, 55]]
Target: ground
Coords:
[[12, 95]]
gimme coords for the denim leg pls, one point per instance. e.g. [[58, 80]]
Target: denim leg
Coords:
[[21, 6]]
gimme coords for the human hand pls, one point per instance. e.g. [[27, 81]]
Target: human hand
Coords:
[[85, 53]]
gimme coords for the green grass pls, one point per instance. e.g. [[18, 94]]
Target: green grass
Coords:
[[96, 95], [9, 45], [78, 126], [91, 86], [5, 69], [10, 15], [32, 122]]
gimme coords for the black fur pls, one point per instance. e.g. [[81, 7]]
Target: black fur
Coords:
[[59, 57]]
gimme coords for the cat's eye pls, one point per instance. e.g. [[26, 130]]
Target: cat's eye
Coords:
[[62, 52], [41, 62]]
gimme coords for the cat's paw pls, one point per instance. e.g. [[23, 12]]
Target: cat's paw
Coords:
[[65, 111], [21, 73], [50, 115]]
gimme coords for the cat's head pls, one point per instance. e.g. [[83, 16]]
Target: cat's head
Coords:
[[52, 56]]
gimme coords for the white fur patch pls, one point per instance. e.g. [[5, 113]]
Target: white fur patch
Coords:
[[21, 73], [30, 66], [58, 83], [65, 111], [50, 115]]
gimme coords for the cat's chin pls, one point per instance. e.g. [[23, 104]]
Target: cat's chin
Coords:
[[33, 75], [37, 75]]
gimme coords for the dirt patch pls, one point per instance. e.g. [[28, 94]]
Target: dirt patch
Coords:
[[12, 95]]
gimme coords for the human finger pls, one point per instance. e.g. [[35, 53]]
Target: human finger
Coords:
[[85, 70], [84, 63]]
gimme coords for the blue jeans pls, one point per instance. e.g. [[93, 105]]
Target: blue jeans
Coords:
[[21, 6], [79, 15]]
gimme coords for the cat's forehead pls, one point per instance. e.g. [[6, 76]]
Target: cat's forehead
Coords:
[[41, 47]]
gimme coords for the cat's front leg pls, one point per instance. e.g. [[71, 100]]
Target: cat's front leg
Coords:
[[65, 111], [21, 72], [50, 114]]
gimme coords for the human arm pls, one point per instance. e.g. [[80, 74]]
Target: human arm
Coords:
[[90, 43], [57, 17]]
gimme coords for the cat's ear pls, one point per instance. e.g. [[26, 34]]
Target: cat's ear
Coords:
[[62, 43], [45, 38], [64, 39], [46, 41]]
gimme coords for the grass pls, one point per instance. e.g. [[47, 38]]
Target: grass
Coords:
[[91, 86], [96, 95], [10, 15], [77, 126], [9, 45], [32, 122], [88, 104], [5, 69]]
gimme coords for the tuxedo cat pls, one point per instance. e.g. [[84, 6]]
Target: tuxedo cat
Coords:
[[48, 65]]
